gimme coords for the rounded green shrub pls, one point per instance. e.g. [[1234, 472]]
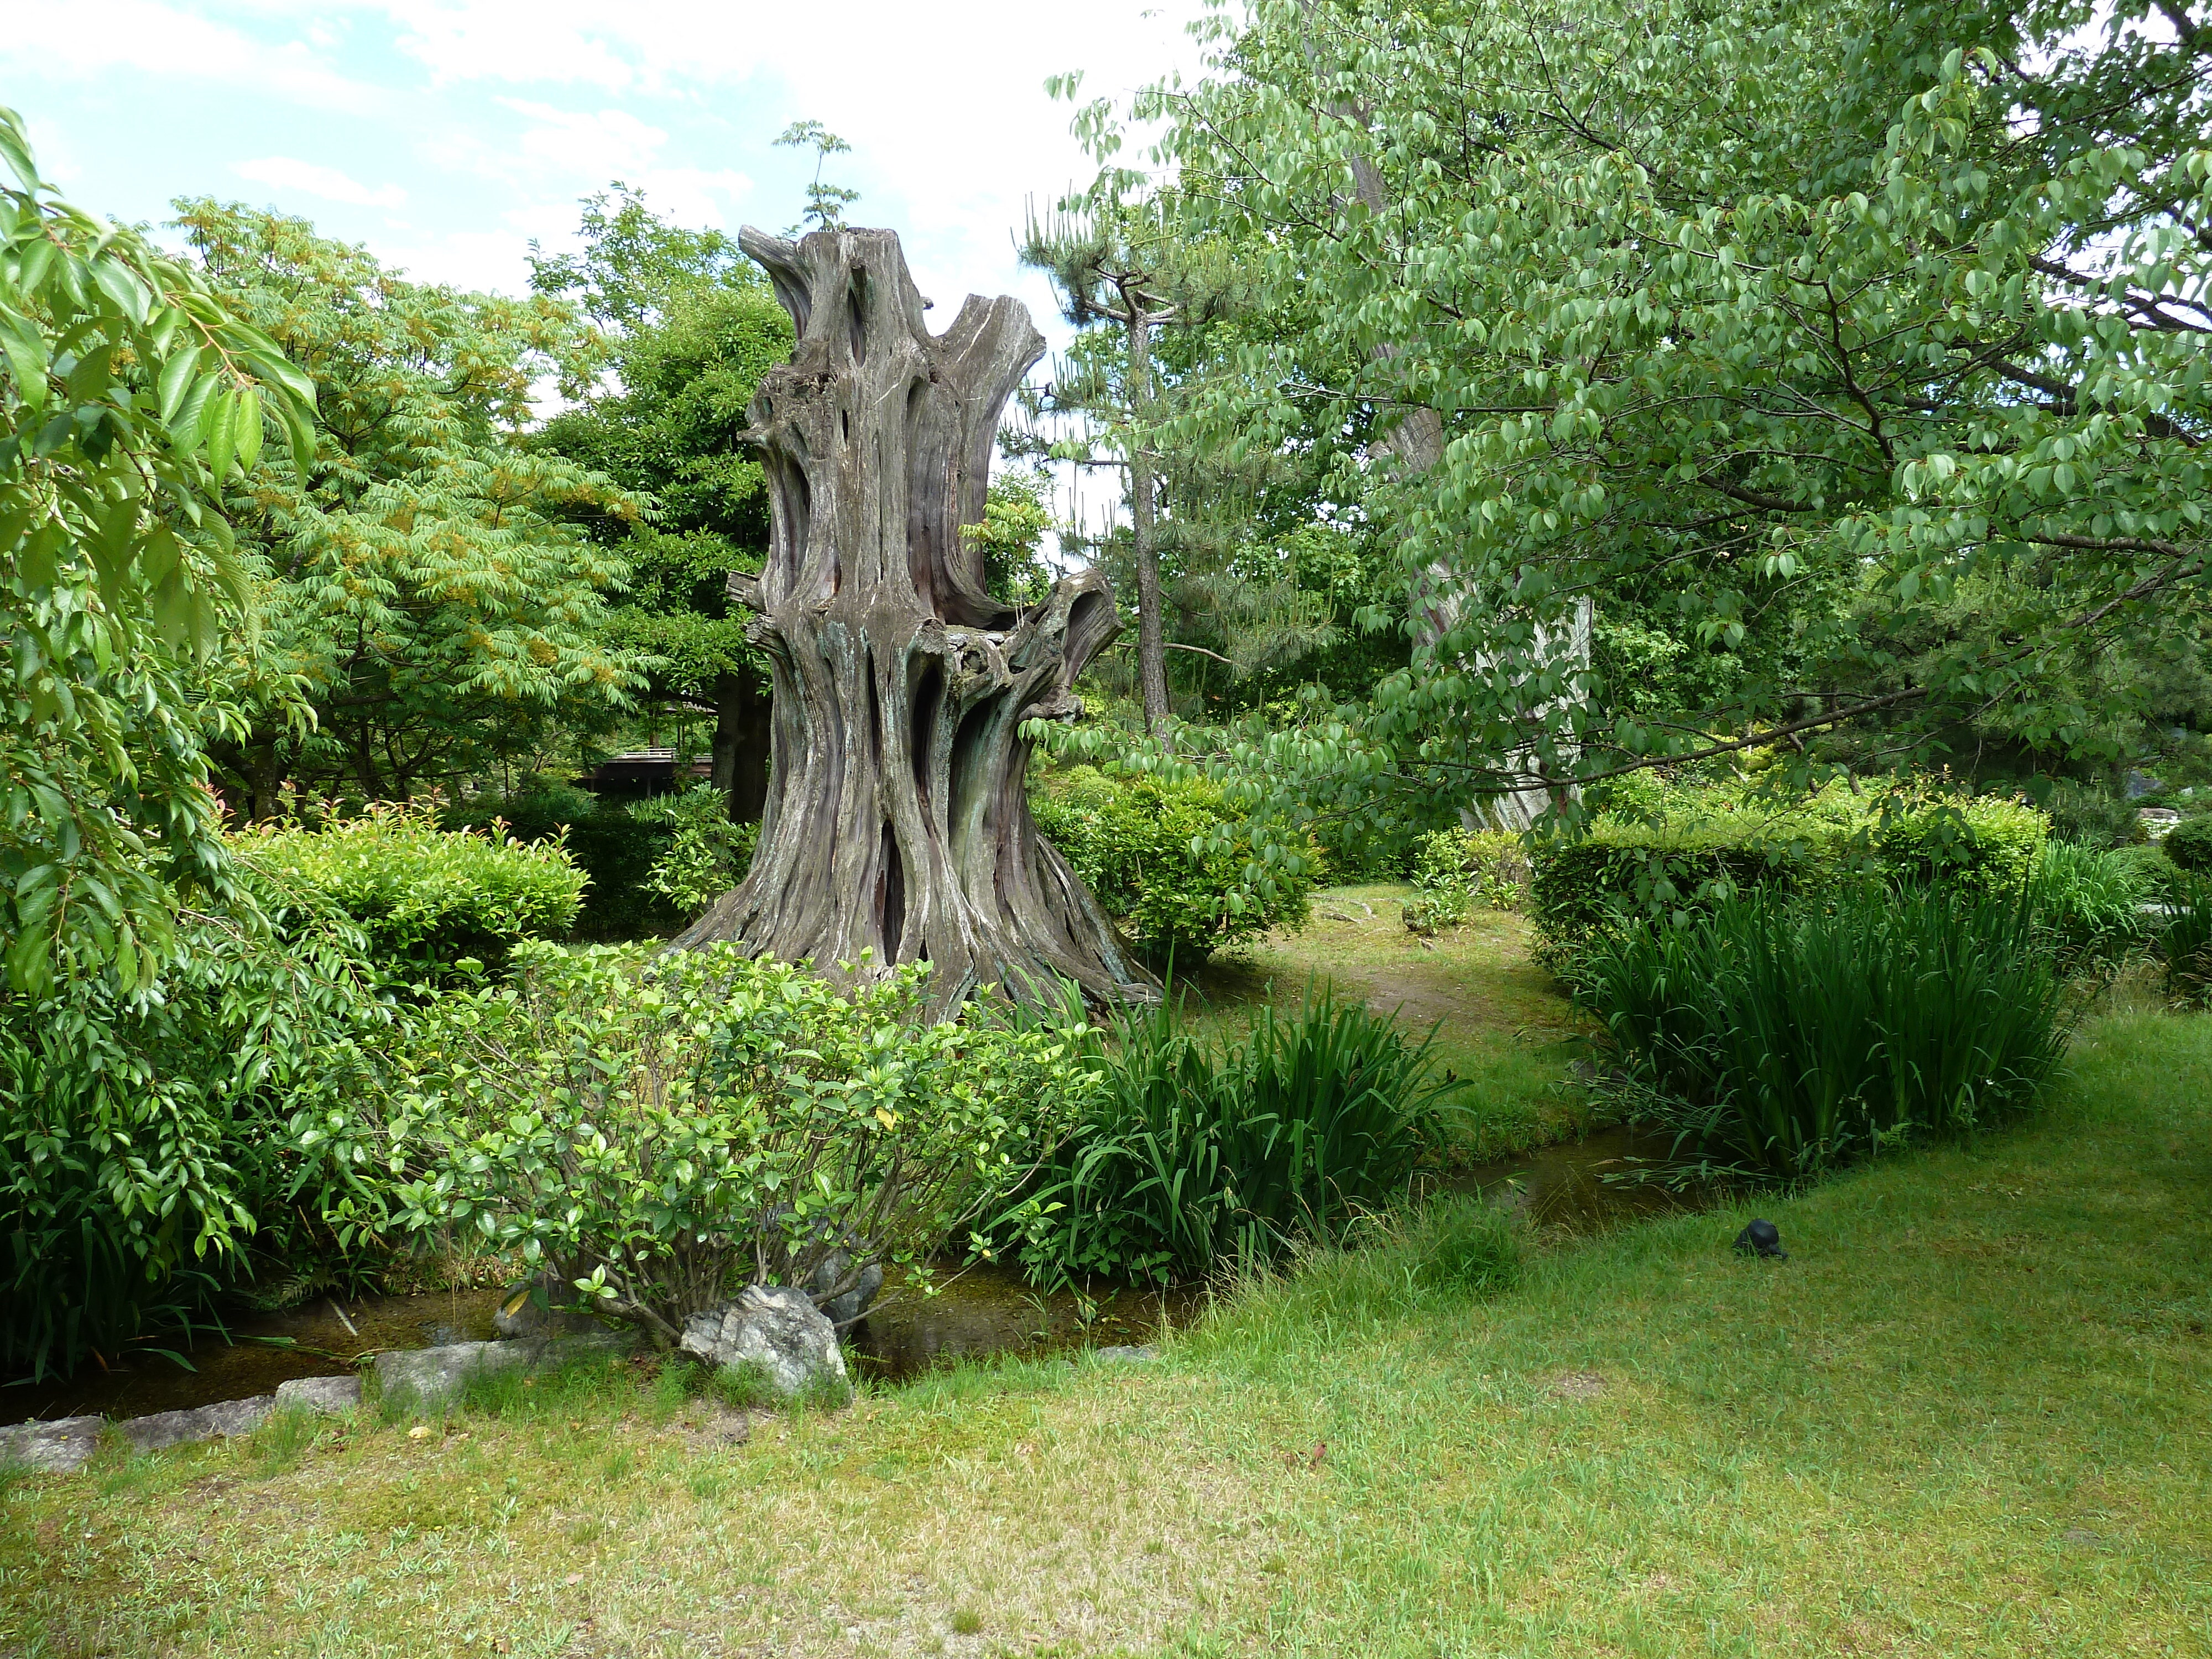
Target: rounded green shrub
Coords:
[[2189, 844], [426, 899], [1172, 862], [1713, 845]]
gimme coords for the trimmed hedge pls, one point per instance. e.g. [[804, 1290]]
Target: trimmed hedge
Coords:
[[1694, 859], [426, 898]]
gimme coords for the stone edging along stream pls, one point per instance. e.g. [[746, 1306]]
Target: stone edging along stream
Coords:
[[430, 1375]]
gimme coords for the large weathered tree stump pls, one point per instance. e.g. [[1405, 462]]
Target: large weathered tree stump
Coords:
[[896, 822]]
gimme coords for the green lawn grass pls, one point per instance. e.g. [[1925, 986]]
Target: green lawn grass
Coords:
[[1500, 1020], [1969, 1416]]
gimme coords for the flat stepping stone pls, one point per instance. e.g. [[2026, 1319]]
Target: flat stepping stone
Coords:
[[1126, 1354]]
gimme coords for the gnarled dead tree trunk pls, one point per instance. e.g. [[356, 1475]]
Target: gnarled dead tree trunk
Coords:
[[895, 820]]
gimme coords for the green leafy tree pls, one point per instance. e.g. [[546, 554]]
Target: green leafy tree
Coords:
[[1104, 250], [130, 399], [690, 326], [419, 576], [825, 203], [1788, 326], [1016, 513]]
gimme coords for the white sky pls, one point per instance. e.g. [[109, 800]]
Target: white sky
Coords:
[[446, 134]]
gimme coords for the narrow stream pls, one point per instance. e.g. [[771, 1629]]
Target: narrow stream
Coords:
[[985, 1311], [1575, 1187]]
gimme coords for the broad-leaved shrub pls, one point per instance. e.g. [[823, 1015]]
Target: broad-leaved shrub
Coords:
[[1172, 862], [1458, 871], [1688, 850], [663, 1130], [425, 898], [147, 1156]]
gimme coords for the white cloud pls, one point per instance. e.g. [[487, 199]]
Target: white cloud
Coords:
[[284, 172], [610, 143], [91, 39]]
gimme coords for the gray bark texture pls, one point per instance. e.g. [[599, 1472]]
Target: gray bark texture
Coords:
[[896, 822]]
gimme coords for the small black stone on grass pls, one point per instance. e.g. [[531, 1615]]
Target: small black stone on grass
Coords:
[[1761, 1238]]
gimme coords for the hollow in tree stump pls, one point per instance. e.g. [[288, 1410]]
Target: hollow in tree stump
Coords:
[[896, 822]]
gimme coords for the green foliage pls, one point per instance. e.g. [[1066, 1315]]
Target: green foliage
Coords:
[[617, 850], [1455, 871], [2089, 904], [428, 901], [146, 1146], [2093, 816], [661, 1130], [1694, 848], [1858, 353], [1189, 1160], [2189, 845], [1783, 1039], [708, 851], [416, 572], [1467, 1246], [2185, 941], [1170, 861], [128, 398], [1016, 512]]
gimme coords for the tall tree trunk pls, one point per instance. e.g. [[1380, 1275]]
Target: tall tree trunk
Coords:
[[742, 726], [264, 779], [896, 822], [1151, 628]]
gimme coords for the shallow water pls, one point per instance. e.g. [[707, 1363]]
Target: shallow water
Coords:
[[1584, 1185], [264, 1350], [984, 1310]]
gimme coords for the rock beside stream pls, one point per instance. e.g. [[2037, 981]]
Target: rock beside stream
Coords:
[[225, 1417], [776, 1331], [60, 1447], [320, 1394], [544, 1306], [844, 1309], [434, 1376]]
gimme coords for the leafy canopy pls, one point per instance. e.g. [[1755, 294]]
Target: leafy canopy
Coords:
[[130, 399], [1784, 327], [419, 574]]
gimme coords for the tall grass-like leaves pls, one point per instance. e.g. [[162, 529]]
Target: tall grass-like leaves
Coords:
[[1783, 1039], [2186, 942], [2088, 903], [1191, 1158]]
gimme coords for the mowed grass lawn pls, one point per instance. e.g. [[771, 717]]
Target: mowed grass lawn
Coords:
[[1971, 1414]]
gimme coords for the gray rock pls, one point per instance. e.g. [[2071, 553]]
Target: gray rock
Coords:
[[777, 1329], [543, 1306], [201, 1423], [431, 1377], [60, 1447], [320, 1394], [844, 1309], [1122, 1354]]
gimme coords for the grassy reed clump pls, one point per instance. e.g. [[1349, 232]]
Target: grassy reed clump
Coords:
[[1781, 1040], [1193, 1156], [2185, 941], [2088, 904]]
